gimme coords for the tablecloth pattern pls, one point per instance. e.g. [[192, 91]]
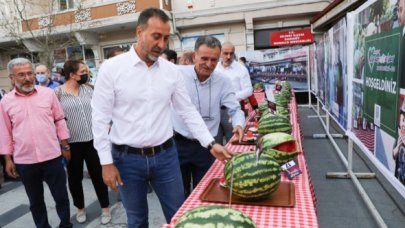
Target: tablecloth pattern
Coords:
[[302, 215]]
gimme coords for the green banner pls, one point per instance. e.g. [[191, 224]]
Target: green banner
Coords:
[[381, 79]]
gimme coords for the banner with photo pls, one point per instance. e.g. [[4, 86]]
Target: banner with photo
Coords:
[[337, 81], [377, 106], [271, 65], [313, 69], [322, 45]]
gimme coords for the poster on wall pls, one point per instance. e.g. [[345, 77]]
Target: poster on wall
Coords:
[[377, 84], [321, 68], [313, 68], [337, 81], [272, 65]]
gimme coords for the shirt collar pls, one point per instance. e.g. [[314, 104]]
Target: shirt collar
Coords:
[[203, 82], [15, 92], [137, 60]]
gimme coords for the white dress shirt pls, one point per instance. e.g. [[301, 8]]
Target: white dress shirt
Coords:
[[208, 97], [240, 78], [137, 100]]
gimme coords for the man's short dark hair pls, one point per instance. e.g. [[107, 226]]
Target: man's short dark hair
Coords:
[[151, 12], [243, 59], [171, 55], [210, 41]]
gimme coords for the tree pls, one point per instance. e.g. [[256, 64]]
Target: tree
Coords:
[[42, 34]]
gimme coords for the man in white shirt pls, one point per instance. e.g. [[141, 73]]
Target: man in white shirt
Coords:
[[240, 78], [135, 91], [208, 90]]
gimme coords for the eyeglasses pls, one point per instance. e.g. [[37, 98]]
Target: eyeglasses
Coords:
[[23, 75]]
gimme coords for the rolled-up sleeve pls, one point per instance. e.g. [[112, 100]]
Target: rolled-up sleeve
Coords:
[[60, 123], [186, 110], [6, 141], [102, 105]]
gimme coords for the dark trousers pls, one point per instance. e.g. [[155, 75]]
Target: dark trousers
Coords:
[[53, 173], [225, 128], [85, 152], [195, 161]]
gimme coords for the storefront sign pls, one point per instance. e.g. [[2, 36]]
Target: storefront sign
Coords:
[[291, 37]]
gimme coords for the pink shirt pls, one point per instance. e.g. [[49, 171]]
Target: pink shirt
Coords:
[[30, 126]]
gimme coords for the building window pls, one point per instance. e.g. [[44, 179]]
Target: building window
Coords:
[[66, 4]]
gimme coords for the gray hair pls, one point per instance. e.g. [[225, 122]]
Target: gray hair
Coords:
[[210, 41], [17, 62]]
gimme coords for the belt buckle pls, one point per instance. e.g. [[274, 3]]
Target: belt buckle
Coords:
[[145, 151]]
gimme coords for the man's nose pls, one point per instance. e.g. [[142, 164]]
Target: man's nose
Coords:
[[162, 43]]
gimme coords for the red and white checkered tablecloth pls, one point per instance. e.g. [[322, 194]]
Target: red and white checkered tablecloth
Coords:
[[302, 215]]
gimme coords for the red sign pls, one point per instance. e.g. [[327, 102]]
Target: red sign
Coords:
[[291, 37]]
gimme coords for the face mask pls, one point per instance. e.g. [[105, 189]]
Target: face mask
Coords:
[[83, 79], [41, 78]]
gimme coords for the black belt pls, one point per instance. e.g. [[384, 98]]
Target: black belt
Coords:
[[147, 151], [179, 137]]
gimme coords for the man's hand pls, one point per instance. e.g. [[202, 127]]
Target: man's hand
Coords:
[[10, 168], [238, 132], [66, 154], [111, 176], [220, 153]]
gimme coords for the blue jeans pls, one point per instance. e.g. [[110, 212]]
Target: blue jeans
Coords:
[[195, 161], [163, 172], [53, 173]]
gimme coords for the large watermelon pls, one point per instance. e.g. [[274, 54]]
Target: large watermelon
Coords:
[[253, 179], [270, 123], [281, 146], [214, 216]]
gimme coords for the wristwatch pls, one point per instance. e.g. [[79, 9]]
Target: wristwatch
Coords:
[[65, 147], [209, 147]]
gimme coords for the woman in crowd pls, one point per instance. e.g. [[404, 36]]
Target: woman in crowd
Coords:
[[75, 97]]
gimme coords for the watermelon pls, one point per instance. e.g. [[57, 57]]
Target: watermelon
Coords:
[[281, 100], [264, 108], [258, 86], [270, 123], [286, 85], [283, 112], [253, 179], [281, 147], [214, 216]]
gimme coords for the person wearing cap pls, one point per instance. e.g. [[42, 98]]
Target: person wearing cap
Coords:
[[43, 77]]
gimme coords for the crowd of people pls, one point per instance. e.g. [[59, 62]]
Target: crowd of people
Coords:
[[151, 119]]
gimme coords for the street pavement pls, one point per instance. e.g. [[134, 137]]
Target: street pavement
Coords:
[[15, 213]]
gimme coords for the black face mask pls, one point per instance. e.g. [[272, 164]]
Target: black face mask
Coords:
[[83, 79]]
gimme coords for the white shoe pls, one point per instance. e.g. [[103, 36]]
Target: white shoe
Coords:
[[81, 216], [105, 217]]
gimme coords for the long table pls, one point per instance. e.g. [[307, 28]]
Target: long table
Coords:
[[302, 215]]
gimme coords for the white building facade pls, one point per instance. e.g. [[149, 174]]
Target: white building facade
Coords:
[[88, 29]]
